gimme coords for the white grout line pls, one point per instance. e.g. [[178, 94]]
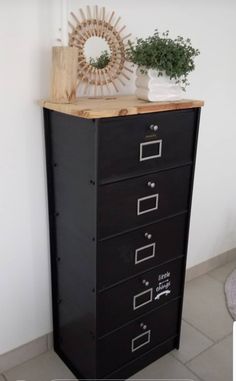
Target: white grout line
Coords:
[[194, 373], [206, 349], [197, 329]]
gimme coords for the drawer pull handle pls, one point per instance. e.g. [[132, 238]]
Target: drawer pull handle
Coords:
[[141, 340], [142, 298], [143, 326], [148, 236], [141, 202], [145, 252], [145, 282], [150, 150], [151, 184], [153, 127]]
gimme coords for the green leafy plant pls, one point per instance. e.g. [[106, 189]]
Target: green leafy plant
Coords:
[[175, 58], [100, 62]]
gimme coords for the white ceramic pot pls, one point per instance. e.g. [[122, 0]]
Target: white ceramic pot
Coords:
[[152, 88]]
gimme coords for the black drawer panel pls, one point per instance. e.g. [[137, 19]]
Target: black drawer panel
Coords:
[[138, 337], [127, 145], [132, 203], [138, 295], [140, 250]]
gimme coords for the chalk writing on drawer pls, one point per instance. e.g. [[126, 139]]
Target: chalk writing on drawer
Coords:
[[164, 285]]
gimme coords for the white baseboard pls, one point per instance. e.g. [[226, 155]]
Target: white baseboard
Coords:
[[45, 343], [211, 264], [25, 352]]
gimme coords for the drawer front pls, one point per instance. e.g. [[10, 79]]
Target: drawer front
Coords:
[[132, 203], [138, 251], [138, 337], [138, 295], [131, 146]]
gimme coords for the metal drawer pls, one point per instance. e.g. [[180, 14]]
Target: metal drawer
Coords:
[[138, 337], [140, 250], [138, 295], [133, 203], [129, 146]]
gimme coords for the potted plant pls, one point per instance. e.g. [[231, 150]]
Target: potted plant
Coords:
[[163, 66]]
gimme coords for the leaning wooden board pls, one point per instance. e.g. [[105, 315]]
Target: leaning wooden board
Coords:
[[106, 107]]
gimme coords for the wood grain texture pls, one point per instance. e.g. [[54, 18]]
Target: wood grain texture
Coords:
[[106, 107]]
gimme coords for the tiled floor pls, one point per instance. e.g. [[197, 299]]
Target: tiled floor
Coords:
[[206, 347]]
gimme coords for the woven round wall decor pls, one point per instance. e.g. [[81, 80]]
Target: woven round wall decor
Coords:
[[110, 69]]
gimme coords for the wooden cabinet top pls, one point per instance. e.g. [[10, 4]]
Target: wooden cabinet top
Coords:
[[106, 107]]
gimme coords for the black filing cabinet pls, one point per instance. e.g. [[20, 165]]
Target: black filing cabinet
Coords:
[[119, 193]]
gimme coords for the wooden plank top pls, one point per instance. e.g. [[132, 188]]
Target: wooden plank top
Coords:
[[106, 107]]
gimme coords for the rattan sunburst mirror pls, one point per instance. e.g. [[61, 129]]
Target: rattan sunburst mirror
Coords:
[[108, 68]]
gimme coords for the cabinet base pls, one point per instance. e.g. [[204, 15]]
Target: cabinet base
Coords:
[[141, 362], [133, 366]]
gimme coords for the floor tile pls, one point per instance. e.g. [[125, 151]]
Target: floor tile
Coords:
[[166, 368], [223, 272], [23, 354], [205, 307], [191, 344], [215, 364], [46, 367]]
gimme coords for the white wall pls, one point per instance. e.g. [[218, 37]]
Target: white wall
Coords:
[[25, 38], [27, 29]]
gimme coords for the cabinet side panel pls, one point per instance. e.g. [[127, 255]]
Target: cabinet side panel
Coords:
[[71, 167], [195, 142]]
